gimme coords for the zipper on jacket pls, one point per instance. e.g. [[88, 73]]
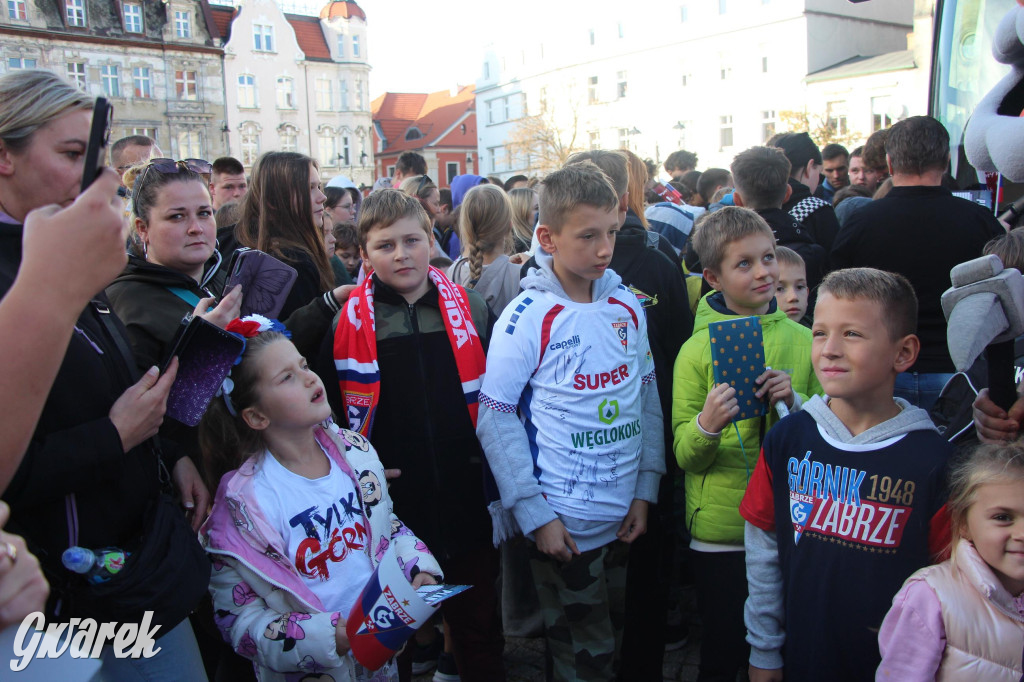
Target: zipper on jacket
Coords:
[[264, 577], [414, 322]]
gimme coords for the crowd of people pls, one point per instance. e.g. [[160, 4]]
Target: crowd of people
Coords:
[[581, 392]]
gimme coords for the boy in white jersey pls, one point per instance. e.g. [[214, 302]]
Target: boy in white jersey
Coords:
[[579, 464]]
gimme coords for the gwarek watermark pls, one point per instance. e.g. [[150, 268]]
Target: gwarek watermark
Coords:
[[84, 637]]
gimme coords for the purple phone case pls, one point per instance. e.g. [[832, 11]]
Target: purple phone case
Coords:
[[265, 281], [205, 356]]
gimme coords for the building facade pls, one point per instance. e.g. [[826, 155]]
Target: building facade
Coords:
[[441, 126], [159, 64], [711, 76], [298, 83]]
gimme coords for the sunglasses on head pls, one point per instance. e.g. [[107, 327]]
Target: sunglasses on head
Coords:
[[168, 166], [424, 179]]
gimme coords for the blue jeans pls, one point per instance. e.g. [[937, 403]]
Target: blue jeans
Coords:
[[921, 389], [178, 659]]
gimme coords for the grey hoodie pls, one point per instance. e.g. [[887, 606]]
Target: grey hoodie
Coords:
[[764, 613], [507, 446]]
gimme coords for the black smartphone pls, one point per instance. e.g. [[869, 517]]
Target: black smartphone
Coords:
[[99, 136]]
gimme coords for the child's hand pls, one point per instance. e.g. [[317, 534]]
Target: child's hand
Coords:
[[719, 408], [765, 674], [993, 423], [777, 385], [341, 637], [422, 578], [635, 523], [554, 540]]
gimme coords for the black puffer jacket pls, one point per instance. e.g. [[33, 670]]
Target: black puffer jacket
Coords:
[[816, 215], [421, 425], [76, 448], [142, 298], [657, 280]]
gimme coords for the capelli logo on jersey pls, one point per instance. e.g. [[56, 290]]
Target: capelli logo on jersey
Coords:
[[573, 342]]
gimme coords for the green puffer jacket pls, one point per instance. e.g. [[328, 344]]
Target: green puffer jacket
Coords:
[[717, 469]]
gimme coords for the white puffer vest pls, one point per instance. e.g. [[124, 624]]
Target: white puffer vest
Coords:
[[984, 630]]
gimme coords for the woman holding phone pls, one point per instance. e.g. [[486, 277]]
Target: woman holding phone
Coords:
[[92, 473], [173, 264]]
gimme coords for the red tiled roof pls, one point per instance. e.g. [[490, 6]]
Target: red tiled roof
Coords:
[[432, 114], [310, 37], [345, 9], [222, 18]]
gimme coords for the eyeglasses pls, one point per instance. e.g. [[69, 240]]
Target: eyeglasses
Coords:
[[167, 166]]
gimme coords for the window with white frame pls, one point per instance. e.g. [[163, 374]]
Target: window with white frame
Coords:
[[764, 64], [148, 132], [593, 95], [344, 94], [182, 24], [76, 74], [768, 121], [451, 169], [622, 30], [327, 147], [109, 80], [595, 140], [721, 6], [249, 136], [132, 17], [359, 94], [289, 138], [355, 46], [263, 37], [620, 85], [21, 63], [142, 84], [341, 46], [592, 36], [684, 14], [324, 94], [835, 117], [523, 106], [74, 11], [623, 138], [880, 117], [189, 144], [247, 91], [543, 99], [285, 93], [492, 158], [345, 151], [186, 85], [16, 10], [724, 132]]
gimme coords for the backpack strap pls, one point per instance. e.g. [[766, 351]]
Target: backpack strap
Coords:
[[185, 295]]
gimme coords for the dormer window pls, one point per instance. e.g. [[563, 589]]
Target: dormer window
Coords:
[[413, 133], [75, 12]]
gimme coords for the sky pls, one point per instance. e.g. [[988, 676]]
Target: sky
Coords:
[[416, 46]]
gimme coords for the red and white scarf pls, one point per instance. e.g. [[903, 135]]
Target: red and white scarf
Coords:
[[355, 350]]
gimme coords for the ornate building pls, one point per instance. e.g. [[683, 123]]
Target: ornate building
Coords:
[[298, 83], [160, 63]]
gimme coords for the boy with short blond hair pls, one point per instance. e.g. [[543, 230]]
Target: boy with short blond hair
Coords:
[[403, 368], [737, 250], [848, 498], [791, 294], [579, 466]]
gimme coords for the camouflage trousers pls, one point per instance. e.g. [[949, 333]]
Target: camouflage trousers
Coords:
[[583, 603]]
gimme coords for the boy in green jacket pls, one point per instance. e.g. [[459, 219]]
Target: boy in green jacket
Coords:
[[737, 250]]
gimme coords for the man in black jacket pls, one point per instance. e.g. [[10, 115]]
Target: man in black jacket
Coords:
[[921, 231]]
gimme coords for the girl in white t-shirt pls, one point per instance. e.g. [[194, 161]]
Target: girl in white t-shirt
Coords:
[[301, 517]]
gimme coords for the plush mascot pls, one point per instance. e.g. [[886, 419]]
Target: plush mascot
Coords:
[[994, 138]]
